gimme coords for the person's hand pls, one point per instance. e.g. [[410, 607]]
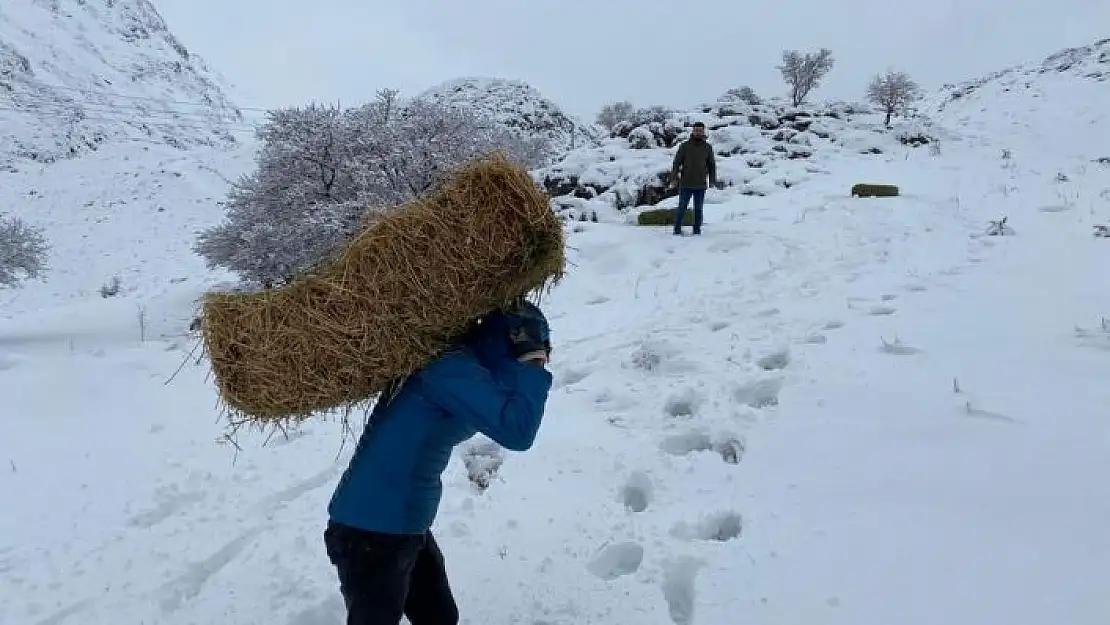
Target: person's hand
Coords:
[[529, 333]]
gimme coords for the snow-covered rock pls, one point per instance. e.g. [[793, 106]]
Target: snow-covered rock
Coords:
[[760, 148], [76, 74], [519, 107]]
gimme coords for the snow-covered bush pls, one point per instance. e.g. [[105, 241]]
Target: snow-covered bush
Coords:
[[111, 288], [745, 95], [657, 114], [319, 168], [23, 251], [999, 228], [615, 113]]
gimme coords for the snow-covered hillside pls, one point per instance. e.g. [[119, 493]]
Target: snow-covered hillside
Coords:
[[519, 107], [74, 75], [1059, 103], [761, 149], [825, 410]]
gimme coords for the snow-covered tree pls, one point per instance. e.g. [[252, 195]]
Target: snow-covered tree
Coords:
[[321, 168], [615, 113], [23, 251], [893, 92], [803, 73]]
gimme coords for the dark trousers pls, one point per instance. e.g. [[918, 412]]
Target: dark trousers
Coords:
[[385, 576], [684, 195]]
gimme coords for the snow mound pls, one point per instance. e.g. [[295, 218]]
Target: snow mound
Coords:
[[519, 107], [761, 149], [75, 75], [1059, 102]]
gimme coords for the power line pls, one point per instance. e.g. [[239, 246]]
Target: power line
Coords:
[[43, 106], [182, 124], [104, 92]]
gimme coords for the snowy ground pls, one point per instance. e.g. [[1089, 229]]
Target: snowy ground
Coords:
[[825, 410]]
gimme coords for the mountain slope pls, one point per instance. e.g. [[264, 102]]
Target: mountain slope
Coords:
[[519, 107], [75, 75], [117, 142], [1060, 103]]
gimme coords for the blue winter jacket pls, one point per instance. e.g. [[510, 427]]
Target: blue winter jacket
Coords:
[[392, 484]]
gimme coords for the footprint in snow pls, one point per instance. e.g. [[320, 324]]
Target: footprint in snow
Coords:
[[719, 527], [616, 560], [682, 404], [599, 299], [730, 448], [882, 311], [758, 393], [637, 492], [678, 589], [834, 325], [774, 361]]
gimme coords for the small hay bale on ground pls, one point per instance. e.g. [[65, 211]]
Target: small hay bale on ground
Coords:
[[663, 217], [864, 189], [388, 303]]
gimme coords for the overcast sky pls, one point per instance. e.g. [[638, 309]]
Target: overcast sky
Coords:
[[584, 53]]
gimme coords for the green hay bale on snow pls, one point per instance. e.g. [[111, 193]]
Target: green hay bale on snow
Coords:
[[663, 217], [864, 189]]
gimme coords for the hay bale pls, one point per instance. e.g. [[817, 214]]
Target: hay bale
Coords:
[[405, 286], [864, 189], [663, 217]]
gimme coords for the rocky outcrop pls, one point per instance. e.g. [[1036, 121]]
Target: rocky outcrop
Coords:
[[760, 147]]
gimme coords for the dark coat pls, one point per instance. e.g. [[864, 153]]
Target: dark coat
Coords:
[[695, 166]]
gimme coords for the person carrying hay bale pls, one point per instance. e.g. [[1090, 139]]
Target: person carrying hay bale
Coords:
[[492, 380], [387, 302]]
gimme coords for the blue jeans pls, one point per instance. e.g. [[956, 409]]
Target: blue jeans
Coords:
[[684, 195]]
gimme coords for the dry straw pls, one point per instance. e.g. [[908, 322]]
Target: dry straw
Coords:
[[387, 303]]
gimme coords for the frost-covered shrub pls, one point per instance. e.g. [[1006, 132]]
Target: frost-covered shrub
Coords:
[[23, 251], [744, 94], [615, 113], [320, 167], [999, 228], [111, 288], [656, 114]]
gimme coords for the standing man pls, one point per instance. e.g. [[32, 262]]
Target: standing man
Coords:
[[694, 169]]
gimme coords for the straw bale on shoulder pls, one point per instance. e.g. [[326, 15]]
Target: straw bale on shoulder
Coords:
[[389, 302]]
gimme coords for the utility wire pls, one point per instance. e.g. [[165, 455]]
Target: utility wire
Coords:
[[104, 92]]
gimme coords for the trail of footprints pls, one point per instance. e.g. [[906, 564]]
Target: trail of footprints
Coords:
[[636, 494], [678, 573]]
